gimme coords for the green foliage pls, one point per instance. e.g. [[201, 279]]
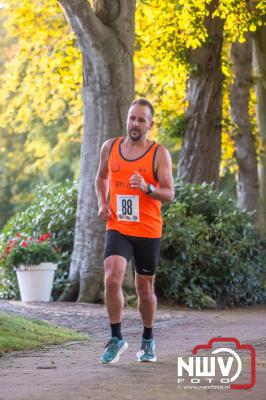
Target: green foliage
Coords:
[[174, 126], [53, 210], [171, 132], [211, 254]]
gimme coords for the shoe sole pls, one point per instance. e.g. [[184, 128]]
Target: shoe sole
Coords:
[[140, 353], [123, 348], [154, 359]]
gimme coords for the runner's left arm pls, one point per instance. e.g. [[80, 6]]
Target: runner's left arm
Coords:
[[163, 166], [165, 191]]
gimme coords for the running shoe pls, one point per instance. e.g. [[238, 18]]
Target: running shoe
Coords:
[[147, 352], [113, 349]]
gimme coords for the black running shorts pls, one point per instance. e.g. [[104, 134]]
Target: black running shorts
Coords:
[[145, 251]]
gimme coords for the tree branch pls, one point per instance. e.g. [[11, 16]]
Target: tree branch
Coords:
[[119, 16], [106, 10], [86, 25]]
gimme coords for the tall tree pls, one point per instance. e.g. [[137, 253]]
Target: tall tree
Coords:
[[248, 180], [201, 153], [105, 32], [259, 68]]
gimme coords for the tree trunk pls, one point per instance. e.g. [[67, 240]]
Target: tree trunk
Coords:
[[259, 71], [106, 36], [201, 153], [248, 180]]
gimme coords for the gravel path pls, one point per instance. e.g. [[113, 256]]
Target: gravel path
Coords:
[[72, 371]]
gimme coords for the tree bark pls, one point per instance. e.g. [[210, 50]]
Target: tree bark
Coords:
[[105, 34], [259, 72], [201, 153], [248, 180]]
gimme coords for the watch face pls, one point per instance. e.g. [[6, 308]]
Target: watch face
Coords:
[[152, 188]]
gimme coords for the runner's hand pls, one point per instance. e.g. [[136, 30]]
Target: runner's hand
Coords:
[[104, 212], [138, 182]]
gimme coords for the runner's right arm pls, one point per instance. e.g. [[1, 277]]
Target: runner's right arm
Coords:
[[102, 182]]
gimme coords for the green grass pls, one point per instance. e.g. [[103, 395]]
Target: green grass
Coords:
[[19, 333]]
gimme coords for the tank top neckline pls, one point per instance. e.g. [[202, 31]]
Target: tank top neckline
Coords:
[[134, 159]]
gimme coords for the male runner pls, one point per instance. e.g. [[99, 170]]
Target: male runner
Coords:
[[136, 173]]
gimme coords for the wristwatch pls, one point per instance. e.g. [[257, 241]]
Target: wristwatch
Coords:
[[151, 188]]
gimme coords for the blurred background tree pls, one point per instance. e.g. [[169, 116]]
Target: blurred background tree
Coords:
[[40, 101]]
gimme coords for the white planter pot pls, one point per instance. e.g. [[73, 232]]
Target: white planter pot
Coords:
[[36, 281]]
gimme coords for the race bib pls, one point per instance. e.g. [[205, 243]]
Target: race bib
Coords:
[[127, 208]]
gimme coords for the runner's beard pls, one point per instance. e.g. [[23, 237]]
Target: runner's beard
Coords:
[[135, 135]]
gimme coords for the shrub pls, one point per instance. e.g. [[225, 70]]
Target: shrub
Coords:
[[211, 254], [53, 210]]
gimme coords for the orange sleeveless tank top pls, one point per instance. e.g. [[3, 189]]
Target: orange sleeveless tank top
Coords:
[[134, 213]]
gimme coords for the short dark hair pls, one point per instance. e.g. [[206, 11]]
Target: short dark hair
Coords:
[[143, 102]]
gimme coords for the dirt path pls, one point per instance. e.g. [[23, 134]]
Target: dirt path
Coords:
[[73, 371]]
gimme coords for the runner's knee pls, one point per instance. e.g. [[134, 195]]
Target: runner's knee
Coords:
[[112, 283], [145, 289]]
